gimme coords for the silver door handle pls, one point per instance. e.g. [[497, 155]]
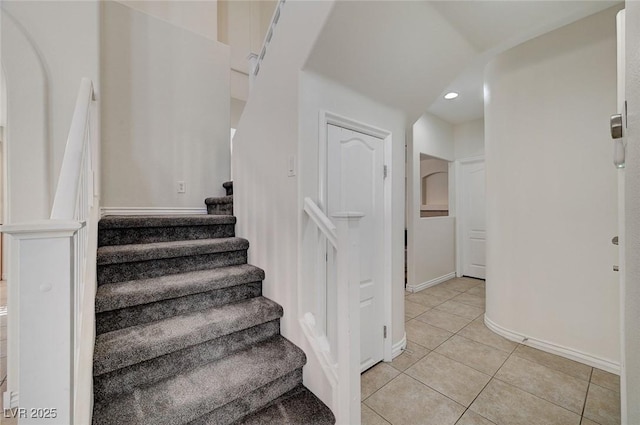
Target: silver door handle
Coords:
[[616, 126]]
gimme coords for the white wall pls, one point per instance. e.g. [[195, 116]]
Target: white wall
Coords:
[[430, 240], [468, 139], [200, 17], [551, 190], [320, 94], [47, 48], [243, 26], [165, 112], [266, 200], [632, 221]]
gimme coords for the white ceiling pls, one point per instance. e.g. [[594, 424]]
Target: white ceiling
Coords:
[[409, 54]]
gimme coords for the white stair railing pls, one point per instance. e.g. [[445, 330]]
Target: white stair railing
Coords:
[[51, 288], [255, 60], [339, 354]]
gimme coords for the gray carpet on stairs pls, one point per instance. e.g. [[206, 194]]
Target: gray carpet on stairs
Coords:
[[184, 334], [123, 230], [220, 205]]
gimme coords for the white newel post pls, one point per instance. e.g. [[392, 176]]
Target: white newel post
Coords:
[[41, 293], [348, 291]]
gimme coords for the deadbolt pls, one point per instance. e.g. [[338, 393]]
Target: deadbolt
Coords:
[[616, 126]]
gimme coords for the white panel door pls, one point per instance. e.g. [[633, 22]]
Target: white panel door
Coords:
[[472, 214], [355, 176]]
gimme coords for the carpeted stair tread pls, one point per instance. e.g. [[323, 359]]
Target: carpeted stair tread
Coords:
[[297, 407], [112, 296], [215, 200], [228, 187], [125, 380], [116, 254], [187, 396], [135, 221], [124, 347]]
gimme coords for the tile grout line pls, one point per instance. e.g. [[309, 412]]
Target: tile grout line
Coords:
[[486, 385], [584, 404]]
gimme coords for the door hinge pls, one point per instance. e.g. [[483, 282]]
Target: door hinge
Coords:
[[384, 332], [384, 171]]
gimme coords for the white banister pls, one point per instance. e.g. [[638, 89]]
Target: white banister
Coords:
[[51, 288], [255, 60], [322, 221], [64, 202], [335, 297]]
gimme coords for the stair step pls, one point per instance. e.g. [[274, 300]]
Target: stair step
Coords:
[[228, 187], [125, 347], [146, 313], [217, 200], [160, 250], [188, 396], [220, 205], [231, 412], [117, 295], [120, 263], [298, 406], [125, 380], [131, 229]]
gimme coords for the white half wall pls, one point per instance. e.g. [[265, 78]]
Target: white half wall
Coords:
[[632, 220], [165, 112], [318, 94], [552, 191], [430, 240], [266, 199], [47, 48]]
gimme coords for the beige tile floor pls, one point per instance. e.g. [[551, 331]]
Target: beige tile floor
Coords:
[[456, 371]]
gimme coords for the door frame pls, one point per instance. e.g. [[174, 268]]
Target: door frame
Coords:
[[459, 210], [326, 118]]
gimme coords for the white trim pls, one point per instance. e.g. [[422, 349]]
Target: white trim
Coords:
[[430, 283], [326, 118], [399, 346], [152, 211], [550, 347], [42, 229]]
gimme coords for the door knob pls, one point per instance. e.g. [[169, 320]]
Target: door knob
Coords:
[[616, 126], [615, 123]]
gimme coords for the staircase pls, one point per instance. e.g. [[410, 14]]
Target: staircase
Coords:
[[183, 333], [221, 205]]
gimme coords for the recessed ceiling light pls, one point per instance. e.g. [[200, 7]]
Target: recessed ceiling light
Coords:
[[451, 95]]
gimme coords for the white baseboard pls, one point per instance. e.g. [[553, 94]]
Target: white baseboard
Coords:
[[429, 283], [549, 347], [152, 211], [396, 349]]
